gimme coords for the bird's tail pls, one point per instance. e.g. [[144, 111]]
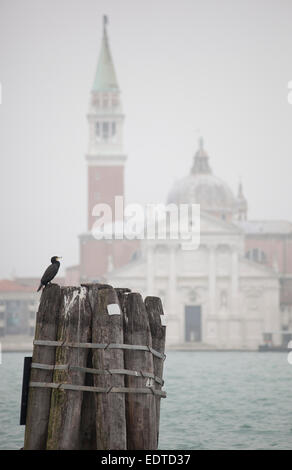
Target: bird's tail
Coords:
[[40, 286]]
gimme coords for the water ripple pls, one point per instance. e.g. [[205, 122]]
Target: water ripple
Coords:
[[215, 401]]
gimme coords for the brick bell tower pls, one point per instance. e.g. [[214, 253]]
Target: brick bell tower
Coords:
[[105, 157], [105, 166]]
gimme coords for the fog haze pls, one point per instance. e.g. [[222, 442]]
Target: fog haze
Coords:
[[219, 69]]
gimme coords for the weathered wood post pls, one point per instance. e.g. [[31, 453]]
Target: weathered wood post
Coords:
[[88, 412], [74, 327], [121, 291], [107, 327], [96, 372], [39, 399], [155, 311], [140, 407]]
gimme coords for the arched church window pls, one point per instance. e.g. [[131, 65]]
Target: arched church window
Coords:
[[105, 130], [257, 255], [135, 255], [97, 129], [113, 128]]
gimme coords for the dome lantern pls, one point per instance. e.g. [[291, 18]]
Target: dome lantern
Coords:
[[201, 160], [202, 187]]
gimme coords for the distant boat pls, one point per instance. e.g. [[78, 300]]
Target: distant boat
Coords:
[[268, 341], [271, 348]]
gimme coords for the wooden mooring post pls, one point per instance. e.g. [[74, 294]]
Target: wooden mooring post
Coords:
[[96, 372]]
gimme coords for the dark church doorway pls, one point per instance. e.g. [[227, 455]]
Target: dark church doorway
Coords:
[[193, 323]]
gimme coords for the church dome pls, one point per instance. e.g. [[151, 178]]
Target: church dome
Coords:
[[204, 188]]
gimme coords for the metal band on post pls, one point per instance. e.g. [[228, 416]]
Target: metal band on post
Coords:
[[84, 388], [136, 347], [88, 370]]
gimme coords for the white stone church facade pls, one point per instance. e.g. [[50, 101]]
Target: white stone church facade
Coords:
[[213, 295]]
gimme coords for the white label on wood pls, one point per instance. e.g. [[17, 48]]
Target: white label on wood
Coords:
[[113, 309], [163, 320]]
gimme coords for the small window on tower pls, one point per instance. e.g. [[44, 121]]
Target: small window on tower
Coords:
[[105, 129], [97, 129], [113, 128]]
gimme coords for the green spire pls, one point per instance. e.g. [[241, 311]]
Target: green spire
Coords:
[[105, 77]]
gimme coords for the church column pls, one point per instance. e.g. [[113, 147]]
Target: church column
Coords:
[[175, 320], [234, 280], [212, 280], [172, 279]]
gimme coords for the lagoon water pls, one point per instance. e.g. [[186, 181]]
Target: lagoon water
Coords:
[[226, 400]]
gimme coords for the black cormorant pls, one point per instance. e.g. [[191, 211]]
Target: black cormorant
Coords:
[[50, 272]]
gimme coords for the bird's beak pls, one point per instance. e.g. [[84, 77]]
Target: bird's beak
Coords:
[[59, 257]]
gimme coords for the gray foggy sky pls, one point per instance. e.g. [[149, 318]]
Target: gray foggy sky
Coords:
[[219, 66]]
